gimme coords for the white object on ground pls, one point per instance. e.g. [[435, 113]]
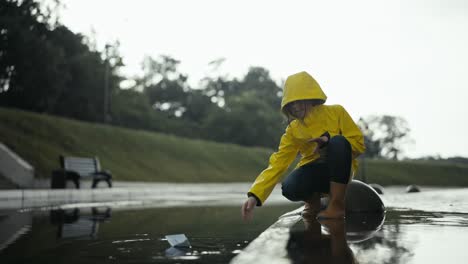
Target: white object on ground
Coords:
[[178, 240]]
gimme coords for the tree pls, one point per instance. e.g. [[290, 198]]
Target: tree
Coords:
[[49, 69], [385, 136], [249, 122], [249, 113], [163, 85], [31, 68], [256, 83], [45, 67], [169, 92]]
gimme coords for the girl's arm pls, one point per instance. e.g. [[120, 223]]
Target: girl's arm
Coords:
[[278, 164], [352, 133]]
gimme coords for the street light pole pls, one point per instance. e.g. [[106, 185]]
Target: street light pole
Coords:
[[106, 85]]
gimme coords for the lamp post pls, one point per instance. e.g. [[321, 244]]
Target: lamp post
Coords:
[[106, 86]]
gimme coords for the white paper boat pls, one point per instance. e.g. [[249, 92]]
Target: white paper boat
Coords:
[[178, 240]]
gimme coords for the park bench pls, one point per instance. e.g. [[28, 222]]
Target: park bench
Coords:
[[77, 168]]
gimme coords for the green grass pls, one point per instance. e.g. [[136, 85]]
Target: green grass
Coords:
[[134, 155], [129, 154], [387, 172]]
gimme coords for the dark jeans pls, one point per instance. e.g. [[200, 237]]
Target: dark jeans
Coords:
[[315, 177]]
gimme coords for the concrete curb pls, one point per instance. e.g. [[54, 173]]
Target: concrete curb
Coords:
[[270, 246]]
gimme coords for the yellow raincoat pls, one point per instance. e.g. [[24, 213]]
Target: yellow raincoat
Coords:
[[320, 119]]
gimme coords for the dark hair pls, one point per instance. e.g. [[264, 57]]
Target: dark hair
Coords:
[[309, 103]]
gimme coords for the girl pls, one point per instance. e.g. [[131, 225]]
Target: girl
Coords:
[[329, 142]]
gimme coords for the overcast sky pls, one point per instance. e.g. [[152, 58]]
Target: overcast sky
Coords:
[[405, 58]]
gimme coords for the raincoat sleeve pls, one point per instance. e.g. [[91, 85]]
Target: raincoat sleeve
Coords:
[[278, 164], [352, 133]]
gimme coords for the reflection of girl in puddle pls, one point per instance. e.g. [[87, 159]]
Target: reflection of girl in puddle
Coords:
[[311, 246]]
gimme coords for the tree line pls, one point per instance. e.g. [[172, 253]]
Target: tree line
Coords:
[[46, 68]]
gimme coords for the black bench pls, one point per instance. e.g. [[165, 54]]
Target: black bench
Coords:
[[76, 168]]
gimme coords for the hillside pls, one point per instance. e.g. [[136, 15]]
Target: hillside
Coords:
[[135, 155], [129, 154]]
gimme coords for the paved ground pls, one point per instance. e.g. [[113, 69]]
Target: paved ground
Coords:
[[159, 194]]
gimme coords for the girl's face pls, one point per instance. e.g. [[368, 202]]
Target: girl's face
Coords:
[[297, 109]]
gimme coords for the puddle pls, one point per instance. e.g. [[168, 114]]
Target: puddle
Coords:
[[411, 232], [416, 237], [110, 235]]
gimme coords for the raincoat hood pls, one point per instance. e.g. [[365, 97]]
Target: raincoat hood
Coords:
[[301, 86]]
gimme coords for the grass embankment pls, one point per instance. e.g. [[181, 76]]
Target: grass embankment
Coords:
[[437, 173], [129, 154], [134, 155]]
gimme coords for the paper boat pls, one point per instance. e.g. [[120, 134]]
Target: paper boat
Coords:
[[178, 240]]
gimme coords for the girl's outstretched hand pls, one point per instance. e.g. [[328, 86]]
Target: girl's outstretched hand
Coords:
[[248, 208]]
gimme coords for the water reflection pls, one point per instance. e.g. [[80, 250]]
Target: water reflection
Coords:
[[13, 225], [313, 246], [79, 222], [386, 246], [361, 226], [327, 241], [134, 235], [176, 252], [217, 234], [412, 236]]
